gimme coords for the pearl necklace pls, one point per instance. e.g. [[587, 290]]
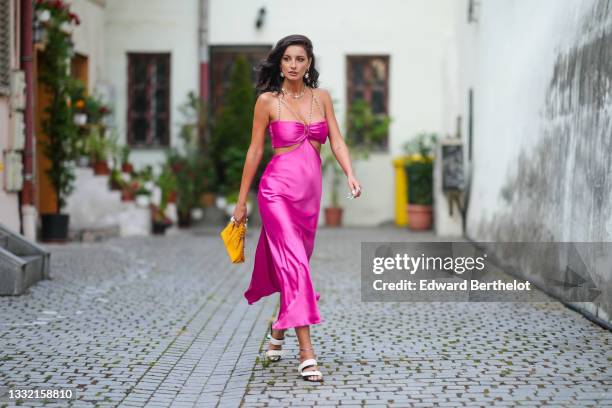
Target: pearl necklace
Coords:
[[294, 95]]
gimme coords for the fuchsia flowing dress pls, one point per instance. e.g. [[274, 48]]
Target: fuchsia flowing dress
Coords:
[[289, 199]]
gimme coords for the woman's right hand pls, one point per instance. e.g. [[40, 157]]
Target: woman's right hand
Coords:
[[240, 213]]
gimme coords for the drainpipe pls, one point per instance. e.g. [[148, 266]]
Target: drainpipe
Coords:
[[204, 70], [28, 208], [203, 49]]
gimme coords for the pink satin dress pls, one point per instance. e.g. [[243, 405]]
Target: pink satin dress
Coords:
[[289, 199]]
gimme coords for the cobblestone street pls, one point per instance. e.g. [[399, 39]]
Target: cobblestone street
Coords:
[[163, 322]]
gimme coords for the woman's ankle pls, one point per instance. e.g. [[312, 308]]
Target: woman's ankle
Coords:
[[306, 352], [278, 334]]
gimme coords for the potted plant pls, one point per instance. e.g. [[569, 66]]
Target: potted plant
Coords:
[[140, 186], [82, 150], [179, 194], [209, 181], [115, 181], [419, 170], [233, 158], [58, 120], [189, 162], [93, 108], [80, 116], [365, 131], [187, 190], [166, 182], [160, 220], [126, 166], [129, 190], [99, 148], [333, 213], [143, 195]]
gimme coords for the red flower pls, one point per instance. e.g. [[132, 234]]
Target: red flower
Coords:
[[74, 18], [177, 167], [104, 110]]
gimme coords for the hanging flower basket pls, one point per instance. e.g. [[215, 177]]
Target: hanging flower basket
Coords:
[[80, 118]]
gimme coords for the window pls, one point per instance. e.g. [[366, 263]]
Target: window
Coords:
[[79, 68], [368, 80], [148, 100], [5, 47]]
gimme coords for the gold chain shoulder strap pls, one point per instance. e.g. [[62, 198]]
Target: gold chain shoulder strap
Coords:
[[296, 114], [319, 106]]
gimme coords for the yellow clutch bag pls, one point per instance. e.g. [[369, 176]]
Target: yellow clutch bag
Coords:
[[233, 239]]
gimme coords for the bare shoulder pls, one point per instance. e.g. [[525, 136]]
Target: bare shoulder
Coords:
[[266, 97], [323, 96], [322, 93], [265, 102]]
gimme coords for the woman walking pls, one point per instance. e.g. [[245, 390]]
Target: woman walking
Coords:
[[300, 117]]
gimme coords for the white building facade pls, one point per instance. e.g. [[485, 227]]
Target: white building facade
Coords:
[[154, 41], [417, 40]]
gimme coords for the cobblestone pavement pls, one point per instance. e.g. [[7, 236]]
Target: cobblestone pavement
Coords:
[[162, 322]]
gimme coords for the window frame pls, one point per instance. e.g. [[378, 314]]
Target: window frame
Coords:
[[150, 116], [6, 38], [351, 59]]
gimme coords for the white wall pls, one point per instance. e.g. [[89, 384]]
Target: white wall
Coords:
[[541, 74], [414, 33], [9, 204], [517, 44], [88, 36], [151, 26]]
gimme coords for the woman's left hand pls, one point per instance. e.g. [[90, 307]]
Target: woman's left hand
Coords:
[[354, 186]]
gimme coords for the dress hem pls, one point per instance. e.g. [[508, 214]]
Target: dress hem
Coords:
[[298, 325]]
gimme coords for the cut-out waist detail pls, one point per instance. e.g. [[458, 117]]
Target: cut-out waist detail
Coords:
[[285, 133]]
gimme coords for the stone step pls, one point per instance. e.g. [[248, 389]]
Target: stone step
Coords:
[[22, 263], [96, 212]]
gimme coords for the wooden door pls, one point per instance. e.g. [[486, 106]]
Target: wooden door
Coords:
[[46, 199]]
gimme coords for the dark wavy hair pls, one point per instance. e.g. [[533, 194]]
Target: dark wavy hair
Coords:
[[269, 79]]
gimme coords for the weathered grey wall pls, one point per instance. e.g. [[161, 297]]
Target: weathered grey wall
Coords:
[[542, 78]]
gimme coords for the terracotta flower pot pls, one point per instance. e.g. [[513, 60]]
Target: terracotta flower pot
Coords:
[[208, 200], [333, 216], [420, 217], [172, 196], [127, 168], [127, 195], [101, 168]]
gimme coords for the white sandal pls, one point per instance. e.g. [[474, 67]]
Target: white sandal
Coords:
[[311, 362], [275, 355]]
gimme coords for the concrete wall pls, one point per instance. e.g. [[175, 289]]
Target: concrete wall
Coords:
[[151, 26], [88, 36], [542, 75], [9, 202], [416, 35]]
